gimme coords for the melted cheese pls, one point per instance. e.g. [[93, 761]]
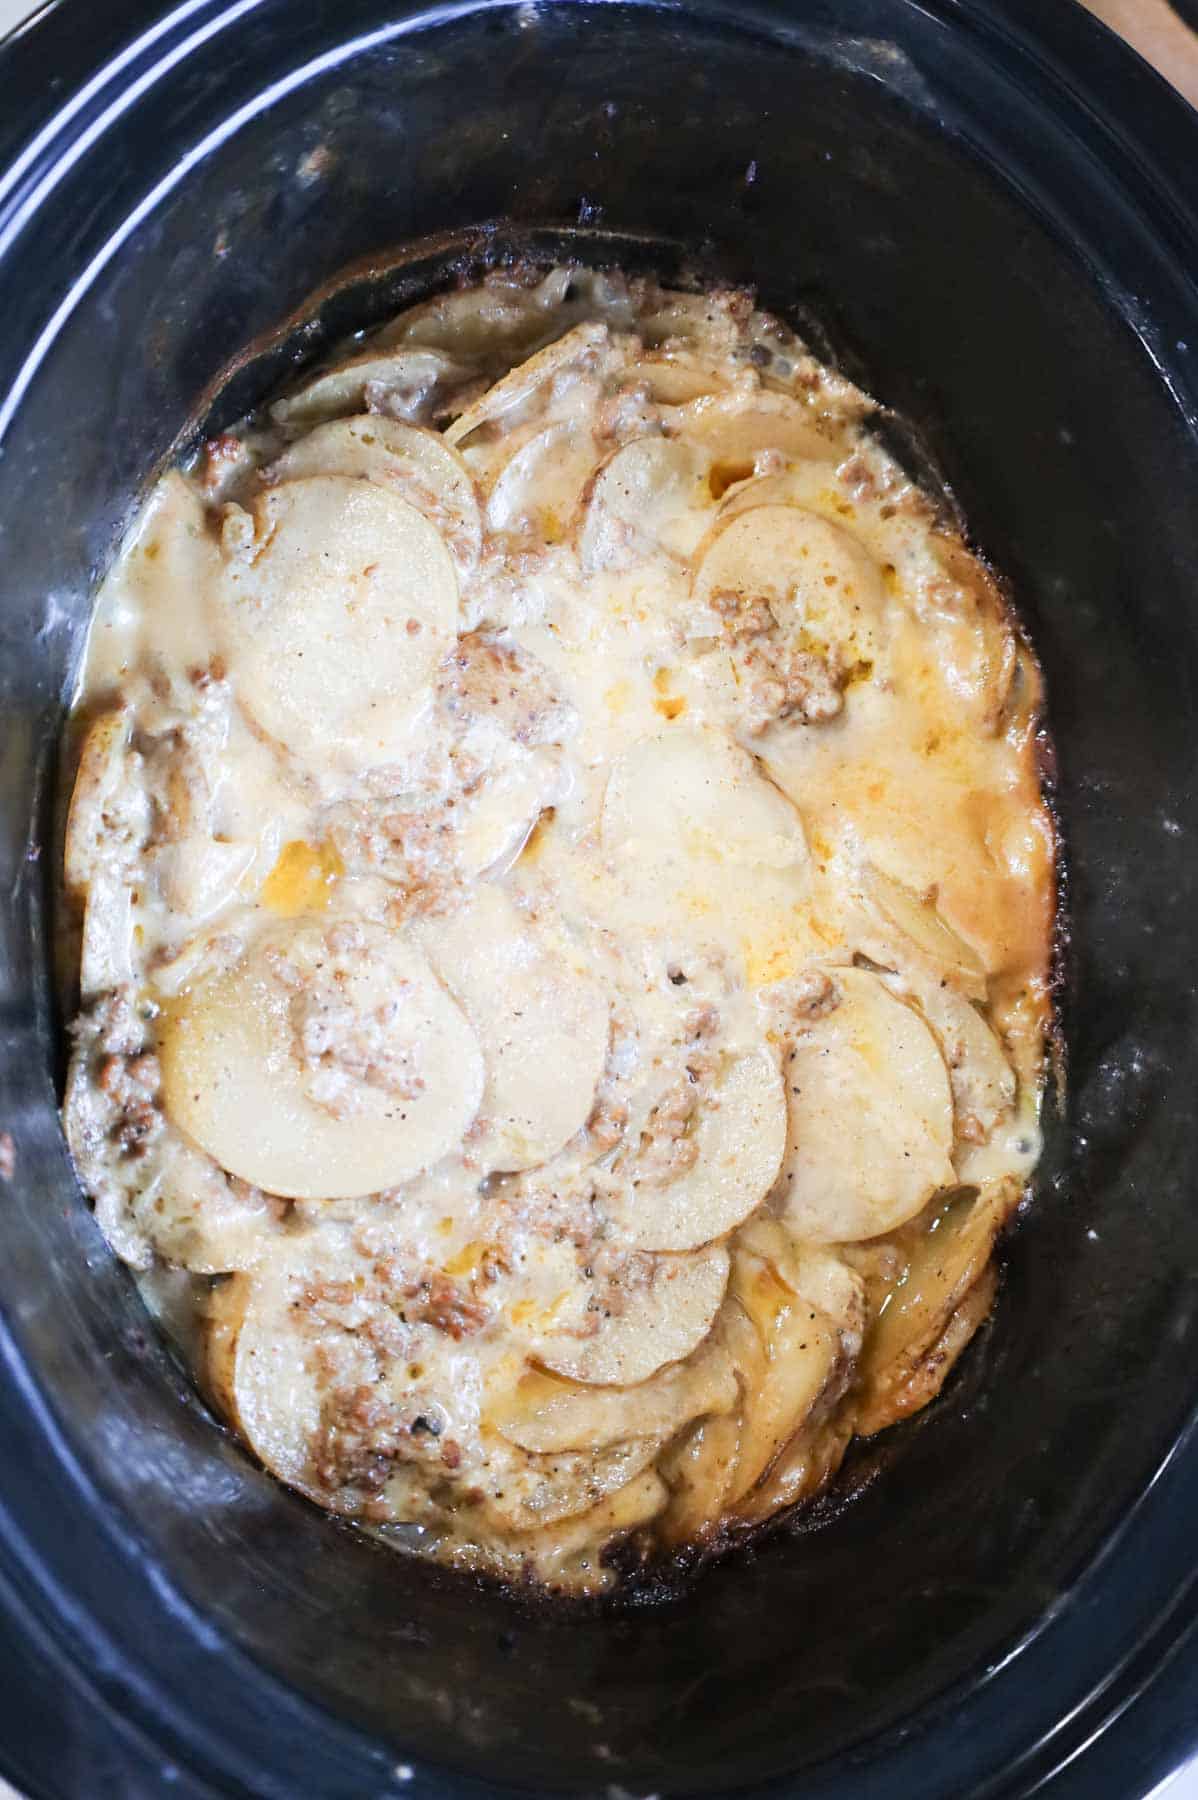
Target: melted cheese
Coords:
[[613, 820]]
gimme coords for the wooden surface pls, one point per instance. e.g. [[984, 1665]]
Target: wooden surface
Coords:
[[1154, 29]]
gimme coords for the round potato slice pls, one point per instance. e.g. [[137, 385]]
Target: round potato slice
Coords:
[[195, 1219], [701, 1467], [545, 1413], [666, 1306], [941, 1266], [539, 489], [334, 614], [646, 495], [499, 819], [699, 1472], [735, 428], [524, 380], [407, 460], [318, 1068], [526, 1493], [677, 379], [259, 1367], [790, 487], [109, 814], [707, 846], [802, 1468], [407, 377], [284, 1361], [818, 581], [802, 1349], [540, 1016], [694, 794], [106, 958], [917, 918], [982, 1080], [570, 1552], [739, 1135], [871, 1117]]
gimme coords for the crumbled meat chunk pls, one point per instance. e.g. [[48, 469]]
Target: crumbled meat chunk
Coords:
[[487, 676], [859, 478], [358, 1441], [341, 1048], [666, 1148], [362, 1437], [606, 1125], [801, 998], [787, 684], [125, 1075], [742, 616], [412, 848], [440, 1301], [224, 457]]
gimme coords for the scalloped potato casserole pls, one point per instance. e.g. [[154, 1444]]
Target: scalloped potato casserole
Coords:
[[563, 898]]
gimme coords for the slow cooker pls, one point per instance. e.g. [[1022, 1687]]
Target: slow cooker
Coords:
[[988, 211]]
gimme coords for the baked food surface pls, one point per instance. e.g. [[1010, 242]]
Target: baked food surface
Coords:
[[564, 898]]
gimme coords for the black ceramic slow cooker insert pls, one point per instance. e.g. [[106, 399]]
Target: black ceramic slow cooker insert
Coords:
[[990, 208]]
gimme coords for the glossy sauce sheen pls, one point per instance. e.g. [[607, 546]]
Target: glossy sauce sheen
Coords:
[[564, 901]]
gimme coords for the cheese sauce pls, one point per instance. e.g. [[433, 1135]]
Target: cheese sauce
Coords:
[[563, 897]]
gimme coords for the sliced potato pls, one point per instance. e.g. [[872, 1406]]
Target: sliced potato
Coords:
[[519, 383], [819, 582], [108, 815], [735, 428], [539, 489], [654, 1311], [198, 874], [802, 1350], [642, 496], [699, 1471], [273, 1359], [496, 823], [917, 918], [315, 1358], [693, 795], [801, 1469], [679, 378], [495, 320], [570, 1550], [321, 1071], [258, 1367], [982, 1080], [531, 1493], [547, 1413], [740, 1137], [416, 464], [871, 1117], [193, 1216], [788, 487], [335, 615], [705, 845], [540, 1017], [940, 1264], [921, 1384], [106, 946], [409, 376]]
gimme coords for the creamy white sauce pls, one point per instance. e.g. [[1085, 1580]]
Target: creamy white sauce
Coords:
[[564, 899]]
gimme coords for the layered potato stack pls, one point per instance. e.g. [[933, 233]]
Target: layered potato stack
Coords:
[[563, 900]]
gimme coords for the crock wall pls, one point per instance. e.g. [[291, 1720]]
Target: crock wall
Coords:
[[898, 175]]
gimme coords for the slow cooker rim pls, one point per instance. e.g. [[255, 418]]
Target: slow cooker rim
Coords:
[[1174, 125]]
